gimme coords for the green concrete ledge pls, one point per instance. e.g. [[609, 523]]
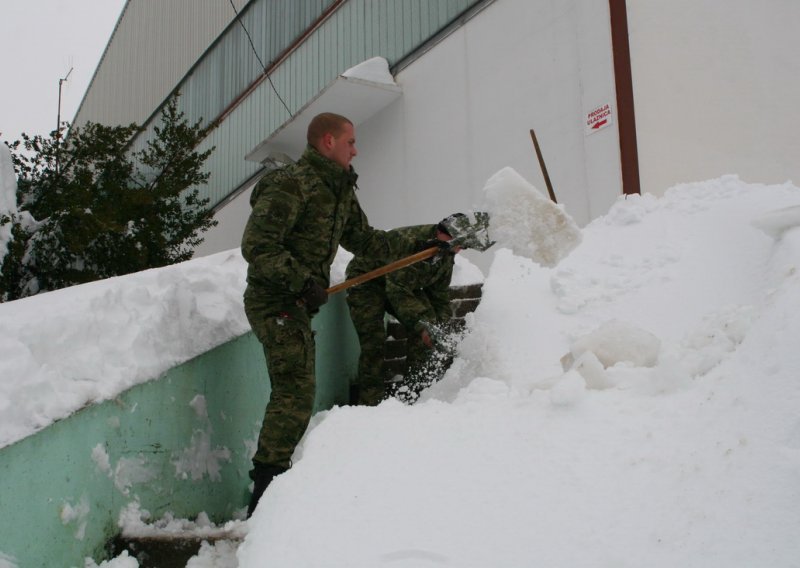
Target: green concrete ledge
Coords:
[[62, 489]]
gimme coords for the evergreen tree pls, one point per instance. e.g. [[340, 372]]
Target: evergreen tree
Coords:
[[90, 207]]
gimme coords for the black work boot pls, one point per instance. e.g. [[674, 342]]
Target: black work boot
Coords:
[[354, 393], [262, 476]]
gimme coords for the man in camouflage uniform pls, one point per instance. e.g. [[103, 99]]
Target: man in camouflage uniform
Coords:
[[301, 213], [417, 295]]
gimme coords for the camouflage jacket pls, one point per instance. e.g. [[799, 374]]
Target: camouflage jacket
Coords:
[[421, 291], [301, 213]]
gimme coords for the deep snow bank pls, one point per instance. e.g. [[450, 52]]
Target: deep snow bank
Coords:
[[686, 456]]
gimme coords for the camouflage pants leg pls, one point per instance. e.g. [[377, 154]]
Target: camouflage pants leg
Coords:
[[367, 308], [289, 350]]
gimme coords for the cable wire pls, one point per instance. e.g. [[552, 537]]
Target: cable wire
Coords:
[[264, 67]]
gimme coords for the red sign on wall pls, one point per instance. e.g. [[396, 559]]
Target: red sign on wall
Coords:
[[598, 118]]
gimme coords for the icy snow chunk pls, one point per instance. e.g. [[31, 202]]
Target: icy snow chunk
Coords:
[[615, 342], [593, 372], [525, 221]]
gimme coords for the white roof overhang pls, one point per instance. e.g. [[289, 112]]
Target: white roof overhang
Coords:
[[356, 98]]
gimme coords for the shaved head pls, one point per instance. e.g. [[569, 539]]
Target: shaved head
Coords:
[[326, 123]]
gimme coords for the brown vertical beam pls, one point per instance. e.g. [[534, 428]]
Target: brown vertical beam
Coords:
[[620, 47]]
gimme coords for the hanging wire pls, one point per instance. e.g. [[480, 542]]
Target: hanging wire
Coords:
[[264, 67]]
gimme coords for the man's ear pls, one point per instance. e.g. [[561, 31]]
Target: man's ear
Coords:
[[328, 140]]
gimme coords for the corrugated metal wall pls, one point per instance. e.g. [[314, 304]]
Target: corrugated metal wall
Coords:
[[154, 44], [356, 30]]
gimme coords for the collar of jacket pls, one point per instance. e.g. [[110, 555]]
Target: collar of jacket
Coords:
[[329, 170]]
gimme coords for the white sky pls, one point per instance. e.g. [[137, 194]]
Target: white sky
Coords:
[[42, 40], [673, 441]]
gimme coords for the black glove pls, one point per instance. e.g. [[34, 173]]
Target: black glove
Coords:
[[443, 246], [312, 296], [422, 245]]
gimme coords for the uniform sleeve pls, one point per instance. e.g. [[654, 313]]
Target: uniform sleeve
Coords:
[[439, 293], [275, 213], [373, 245], [404, 292], [421, 292]]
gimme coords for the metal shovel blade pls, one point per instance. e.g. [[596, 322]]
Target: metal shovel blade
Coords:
[[472, 231]]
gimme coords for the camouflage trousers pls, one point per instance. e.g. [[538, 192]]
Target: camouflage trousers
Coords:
[[368, 307], [290, 353]]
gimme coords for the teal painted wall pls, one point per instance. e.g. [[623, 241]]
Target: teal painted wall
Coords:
[[61, 489]]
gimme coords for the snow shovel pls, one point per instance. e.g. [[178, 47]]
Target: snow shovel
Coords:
[[470, 233], [524, 221]]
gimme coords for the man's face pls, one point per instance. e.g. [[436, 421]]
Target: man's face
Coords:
[[343, 147]]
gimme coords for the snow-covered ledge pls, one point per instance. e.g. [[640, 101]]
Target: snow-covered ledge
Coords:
[[359, 93]]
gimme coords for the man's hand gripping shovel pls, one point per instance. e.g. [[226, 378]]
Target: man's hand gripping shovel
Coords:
[[472, 232]]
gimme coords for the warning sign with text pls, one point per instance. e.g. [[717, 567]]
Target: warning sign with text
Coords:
[[598, 118]]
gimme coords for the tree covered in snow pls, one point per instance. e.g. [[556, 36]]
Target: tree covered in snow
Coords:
[[91, 207]]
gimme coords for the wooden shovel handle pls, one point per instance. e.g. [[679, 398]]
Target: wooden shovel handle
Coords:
[[391, 267]]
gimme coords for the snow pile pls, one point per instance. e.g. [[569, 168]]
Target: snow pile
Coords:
[[671, 439], [375, 70], [775, 223], [64, 349], [217, 550], [465, 273], [639, 399], [134, 522], [130, 329]]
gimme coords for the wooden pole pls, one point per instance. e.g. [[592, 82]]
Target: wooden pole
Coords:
[[544, 168]]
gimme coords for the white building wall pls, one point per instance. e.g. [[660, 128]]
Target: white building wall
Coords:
[[469, 103], [717, 86], [467, 108]]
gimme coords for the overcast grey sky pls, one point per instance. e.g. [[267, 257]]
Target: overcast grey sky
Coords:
[[41, 40]]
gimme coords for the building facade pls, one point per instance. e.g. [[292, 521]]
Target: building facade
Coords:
[[623, 96]]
